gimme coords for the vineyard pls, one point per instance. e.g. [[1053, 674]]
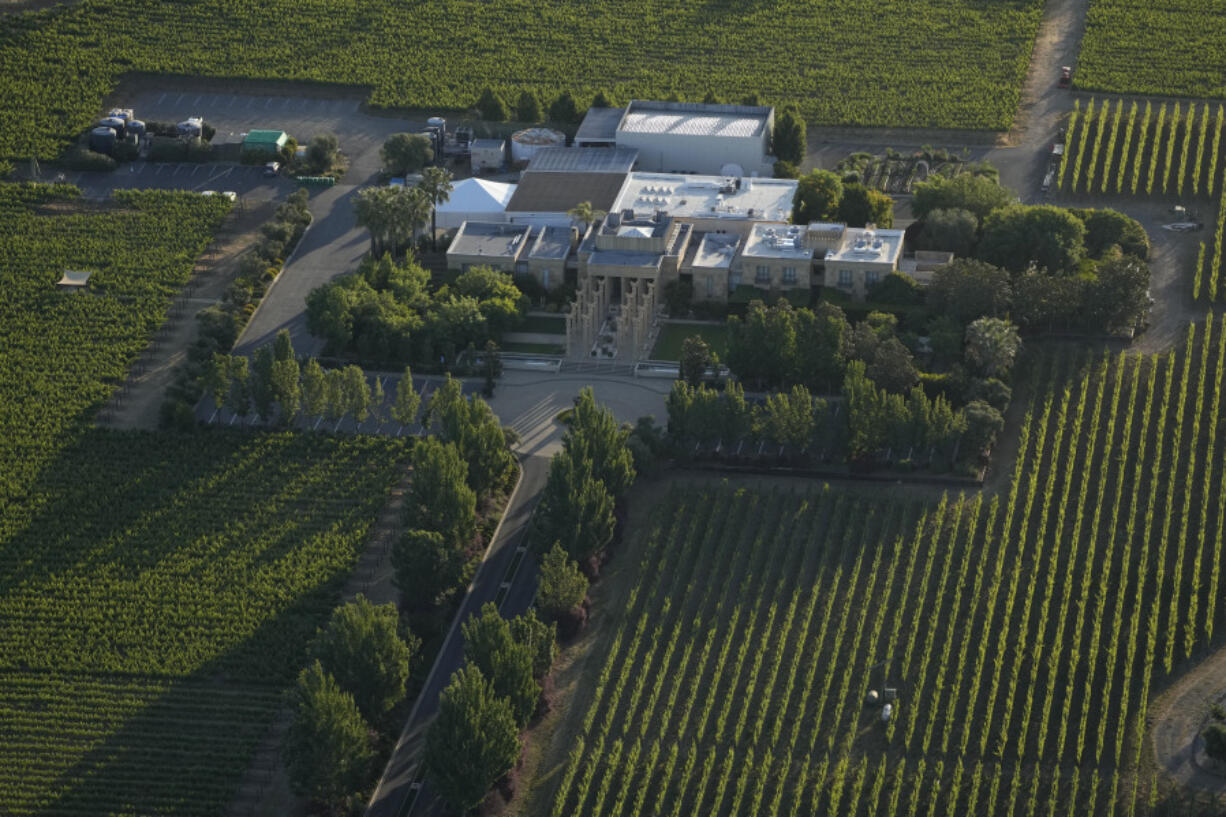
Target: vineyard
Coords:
[[1139, 148], [938, 63], [156, 591], [1025, 631], [1164, 49]]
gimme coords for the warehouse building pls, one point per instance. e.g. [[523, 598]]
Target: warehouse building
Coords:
[[686, 137]]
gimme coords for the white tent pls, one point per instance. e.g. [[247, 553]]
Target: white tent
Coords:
[[475, 200]]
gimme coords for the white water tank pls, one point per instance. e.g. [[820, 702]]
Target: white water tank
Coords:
[[525, 143]]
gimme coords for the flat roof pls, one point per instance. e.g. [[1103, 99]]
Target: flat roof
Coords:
[[784, 241], [625, 258], [600, 124], [715, 251], [695, 119], [708, 196], [550, 242], [73, 279], [488, 144], [559, 192], [492, 239], [583, 160], [879, 246], [260, 137]]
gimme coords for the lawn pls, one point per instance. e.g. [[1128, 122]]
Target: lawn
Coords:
[[916, 63], [1025, 631], [673, 335]]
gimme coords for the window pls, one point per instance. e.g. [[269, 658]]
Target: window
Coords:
[[734, 280], [545, 277], [871, 277], [521, 267], [789, 275], [845, 278], [763, 274], [710, 285]]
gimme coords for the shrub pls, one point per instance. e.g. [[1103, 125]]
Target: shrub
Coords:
[[82, 158], [1215, 741]]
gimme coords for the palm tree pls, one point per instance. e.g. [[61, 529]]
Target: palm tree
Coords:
[[436, 184], [583, 212], [371, 206]]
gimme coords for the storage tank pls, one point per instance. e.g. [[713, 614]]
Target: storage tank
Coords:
[[525, 143], [102, 139], [114, 123], [436, 122], [136, 128]]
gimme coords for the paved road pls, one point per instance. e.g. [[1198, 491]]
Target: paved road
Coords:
[[396, 793]]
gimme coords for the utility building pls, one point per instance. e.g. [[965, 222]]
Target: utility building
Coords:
[[687, 137]]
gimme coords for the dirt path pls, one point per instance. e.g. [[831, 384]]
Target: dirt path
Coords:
[[1179, 715], [135, 405], [265, 790]]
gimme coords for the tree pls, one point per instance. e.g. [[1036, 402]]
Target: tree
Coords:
[[356, 393], [1109, 228], [983, 423], [541, 640], [563, 109], [762, 346], [790, 141], [439, 498], [286, 390], [491, 107], [887, 362], [283, 346], [992, 345], [313, 388], [436, 184], [238, 398], [583, 213], [789, 417], [327, 746], [1018, 236], [490, 647], [696, 359], [362, 649], [562, 586], [259, 383], [817, 197], [528, 107], [966, 191], [897, 288], [820, 349], [491, 366], [966, 289], [472, 741], [429, 567], [954, 230], [321, 151], [404, 153], [575, 509], [861, 206], [596, 435], [1117, 300], [711, 99], [408, 401], [336, 402], [217, 378]]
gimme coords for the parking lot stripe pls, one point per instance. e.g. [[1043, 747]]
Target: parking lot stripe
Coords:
[[179, 99], [161, 99]]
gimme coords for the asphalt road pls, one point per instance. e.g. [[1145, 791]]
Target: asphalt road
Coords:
[[397, 794]]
